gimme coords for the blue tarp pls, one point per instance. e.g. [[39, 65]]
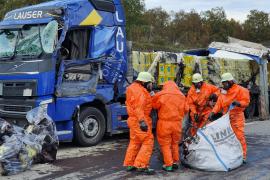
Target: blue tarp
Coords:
[[255, 58], [199, 52]]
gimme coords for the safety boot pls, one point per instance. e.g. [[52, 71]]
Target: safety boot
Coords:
[[175, 166], [131, 168], [147, 171], [167, 168]]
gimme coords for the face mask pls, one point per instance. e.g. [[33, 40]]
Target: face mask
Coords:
[[148, 86], [223, 91], [198, 85], [152, 93], [227, 85], [212, 103]]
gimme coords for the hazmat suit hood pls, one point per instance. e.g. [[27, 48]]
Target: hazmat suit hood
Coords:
[[171, 87]]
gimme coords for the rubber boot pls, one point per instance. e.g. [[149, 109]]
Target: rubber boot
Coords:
[[175, 166], [131, 168], [147, 171], [167, 168]]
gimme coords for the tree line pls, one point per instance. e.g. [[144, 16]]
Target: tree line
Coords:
[[156, 29]]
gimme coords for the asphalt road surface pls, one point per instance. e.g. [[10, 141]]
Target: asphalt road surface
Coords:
[[104, 161]]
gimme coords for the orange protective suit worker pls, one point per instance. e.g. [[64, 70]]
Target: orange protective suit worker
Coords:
[[199, 97], [139, 106], [170, 103], [239, 97]]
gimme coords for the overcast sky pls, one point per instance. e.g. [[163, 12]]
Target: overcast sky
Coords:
[[237, 9]]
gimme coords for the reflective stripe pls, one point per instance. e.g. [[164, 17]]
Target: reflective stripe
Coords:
[[63, 132], [31, 73]]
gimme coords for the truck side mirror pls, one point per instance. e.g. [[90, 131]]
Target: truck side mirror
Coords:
[[49, 37]]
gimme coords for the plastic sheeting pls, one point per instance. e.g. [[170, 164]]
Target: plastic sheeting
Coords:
[[214, 148], [229, 55], [20, 148], [211, 68], [167, 67]]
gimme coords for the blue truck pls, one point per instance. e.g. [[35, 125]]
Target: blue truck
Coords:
[[70, 56]]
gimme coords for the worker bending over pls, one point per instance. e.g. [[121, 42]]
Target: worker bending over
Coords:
[[200, 98], [238, 96]]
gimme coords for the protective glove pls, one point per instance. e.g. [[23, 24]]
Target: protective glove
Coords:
[[236, 103], [213, 97], [196, 118], [211, 117], [143, 126]]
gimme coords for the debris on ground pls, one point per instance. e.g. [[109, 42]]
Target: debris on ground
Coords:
[[21, 147]]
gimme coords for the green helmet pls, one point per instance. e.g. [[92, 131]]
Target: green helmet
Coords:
[[196, 78], [145, 77], [226, 77]]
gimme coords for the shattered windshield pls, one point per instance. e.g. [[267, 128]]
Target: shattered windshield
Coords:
[[30, 41], [7, 42]]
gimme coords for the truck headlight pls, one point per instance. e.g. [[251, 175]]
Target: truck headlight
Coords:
[[27, 92]]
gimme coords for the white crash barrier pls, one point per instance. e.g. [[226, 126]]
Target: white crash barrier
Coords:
[[215, 148]]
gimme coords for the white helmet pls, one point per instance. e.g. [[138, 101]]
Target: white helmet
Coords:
[[145, 77], [226, 77], [196, 78]]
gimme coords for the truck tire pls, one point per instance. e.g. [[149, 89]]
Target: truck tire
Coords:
[[94, 126]]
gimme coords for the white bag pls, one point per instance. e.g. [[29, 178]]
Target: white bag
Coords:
[[216, 147]]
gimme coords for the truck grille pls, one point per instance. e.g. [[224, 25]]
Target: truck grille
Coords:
[[16, 109], [17, 88]]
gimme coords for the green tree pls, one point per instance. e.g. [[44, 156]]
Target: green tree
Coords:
[[157, 21], [257, 26], [235, 29], [215, 23], [188, 30], [134, 10]]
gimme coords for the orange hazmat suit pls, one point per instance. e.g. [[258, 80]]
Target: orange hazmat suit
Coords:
[[237, 118], [171, 106], [198, 104], [139, 106]]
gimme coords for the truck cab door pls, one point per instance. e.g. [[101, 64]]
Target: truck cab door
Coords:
[[77, 74]]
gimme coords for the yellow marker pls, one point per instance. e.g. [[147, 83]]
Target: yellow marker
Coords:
[[161, 69], [161, 80], [92, 19]]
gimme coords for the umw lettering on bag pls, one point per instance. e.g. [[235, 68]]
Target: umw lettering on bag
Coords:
[[222, 135]]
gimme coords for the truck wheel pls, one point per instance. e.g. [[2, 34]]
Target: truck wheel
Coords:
[[93, 123]]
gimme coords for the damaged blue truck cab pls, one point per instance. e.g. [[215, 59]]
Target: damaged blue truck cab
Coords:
[[71, 56]]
